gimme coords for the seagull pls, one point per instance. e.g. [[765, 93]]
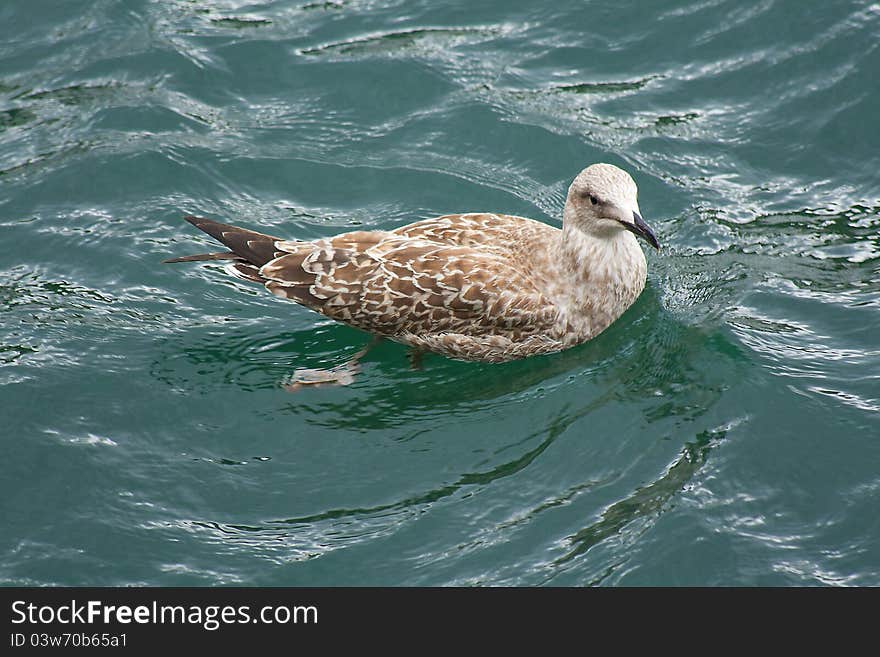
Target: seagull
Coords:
[[478, 287]]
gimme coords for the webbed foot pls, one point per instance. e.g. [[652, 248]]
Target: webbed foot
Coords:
[[339, 375]]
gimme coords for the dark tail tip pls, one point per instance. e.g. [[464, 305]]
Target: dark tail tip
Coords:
[[200, 222], [255, 248], [226, 255]]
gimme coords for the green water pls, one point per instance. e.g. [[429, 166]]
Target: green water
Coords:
[[725, 431]]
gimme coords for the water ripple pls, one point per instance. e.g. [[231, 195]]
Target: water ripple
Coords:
[[722, 432]]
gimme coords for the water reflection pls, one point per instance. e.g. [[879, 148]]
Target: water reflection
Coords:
[[647, 500], [648, 363], [644, 349]]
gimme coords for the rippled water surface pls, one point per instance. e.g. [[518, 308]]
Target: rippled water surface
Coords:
[[725, 431]]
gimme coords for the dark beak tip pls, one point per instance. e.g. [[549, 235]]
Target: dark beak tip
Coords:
[[644, 231]]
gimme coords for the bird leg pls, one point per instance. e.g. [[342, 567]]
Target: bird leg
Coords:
[[414, 356], [341, 375]]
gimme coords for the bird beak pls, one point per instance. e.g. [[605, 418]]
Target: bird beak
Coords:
[[640, 229]]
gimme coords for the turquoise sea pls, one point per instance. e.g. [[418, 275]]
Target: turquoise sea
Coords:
[[725, 431]]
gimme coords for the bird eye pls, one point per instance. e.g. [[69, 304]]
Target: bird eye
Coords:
[[594, 200]]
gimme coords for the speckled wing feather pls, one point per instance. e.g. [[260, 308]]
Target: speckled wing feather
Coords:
[[468, 286], [424, 284], [503, 234]]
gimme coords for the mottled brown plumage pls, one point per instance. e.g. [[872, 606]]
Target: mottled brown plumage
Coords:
[[487, 287]]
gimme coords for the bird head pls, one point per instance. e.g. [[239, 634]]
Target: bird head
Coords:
[[603, 201]]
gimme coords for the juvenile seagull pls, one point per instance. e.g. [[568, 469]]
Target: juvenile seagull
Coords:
[[482, 287]]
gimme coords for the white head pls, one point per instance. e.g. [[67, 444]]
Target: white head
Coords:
[[603, 201]]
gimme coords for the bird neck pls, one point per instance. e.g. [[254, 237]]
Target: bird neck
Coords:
[[600, 278]]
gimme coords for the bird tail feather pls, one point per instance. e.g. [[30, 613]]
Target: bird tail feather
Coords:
[[245, 245]]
